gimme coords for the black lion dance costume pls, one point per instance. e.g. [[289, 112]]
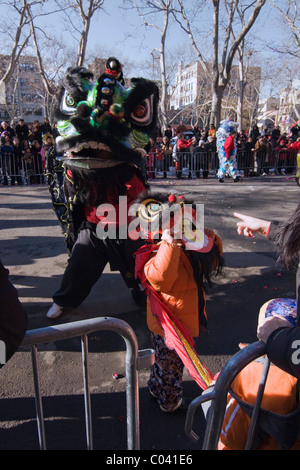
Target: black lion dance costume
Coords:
[[103, 129]]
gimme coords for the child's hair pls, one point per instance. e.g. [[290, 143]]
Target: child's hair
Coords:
[[287, 239]]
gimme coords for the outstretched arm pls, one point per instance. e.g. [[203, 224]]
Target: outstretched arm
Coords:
[[250, 225]]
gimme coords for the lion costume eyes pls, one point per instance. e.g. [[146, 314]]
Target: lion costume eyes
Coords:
[[68, 104], [149, 209], [143, 113]]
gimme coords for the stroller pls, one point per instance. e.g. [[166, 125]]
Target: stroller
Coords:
[[279, 431]]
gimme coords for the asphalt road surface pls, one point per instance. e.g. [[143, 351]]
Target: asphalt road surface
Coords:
[[32, 248]]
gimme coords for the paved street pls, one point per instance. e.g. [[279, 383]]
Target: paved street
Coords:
[[32, 248]]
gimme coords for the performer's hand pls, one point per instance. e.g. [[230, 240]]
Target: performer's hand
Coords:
[[250, 225], [269, 325]]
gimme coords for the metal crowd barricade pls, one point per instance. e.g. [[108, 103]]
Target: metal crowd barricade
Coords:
[[135, 360], [214, 399], [197, 163]]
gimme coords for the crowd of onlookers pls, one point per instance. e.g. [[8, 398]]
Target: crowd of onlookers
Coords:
[[24, 150], [194, 149], [179, 150]]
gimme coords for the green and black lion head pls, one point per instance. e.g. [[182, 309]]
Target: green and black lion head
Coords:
[[103, 123]]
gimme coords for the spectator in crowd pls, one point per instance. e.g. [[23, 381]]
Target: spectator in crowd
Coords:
[[166, 155], [181, 128], [291, 155], [266, 132], [7, 158], [275, 135], [35, 134], [192, 163], [295, 131], [246, 159], [254, 133], [7, 161], [28, 163], [282, 156], [22, 130], [48, 142], [37, 178], [45, 127], [197, 131], [201, 159], [262, 153], [151, 157], [168, 132], [17, 148], [159, 155], [7, 129], [296, 145], [212, 131], [182, 149]]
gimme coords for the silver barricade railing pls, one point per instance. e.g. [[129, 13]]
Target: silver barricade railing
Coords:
[[215, 398], [135, 360]]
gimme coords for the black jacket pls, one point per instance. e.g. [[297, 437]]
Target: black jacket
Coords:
[[283, 345], [13, 318]]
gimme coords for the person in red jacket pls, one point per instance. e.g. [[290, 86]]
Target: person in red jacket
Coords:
[[229, 145], [182, 146]]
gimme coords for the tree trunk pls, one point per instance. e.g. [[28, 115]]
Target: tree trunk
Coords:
[[164, 85]]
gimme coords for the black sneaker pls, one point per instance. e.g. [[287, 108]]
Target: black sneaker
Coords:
[[221, 180]]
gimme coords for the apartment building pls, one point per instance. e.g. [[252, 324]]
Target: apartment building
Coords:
[[283, 110], [193, 90], [24, 95]]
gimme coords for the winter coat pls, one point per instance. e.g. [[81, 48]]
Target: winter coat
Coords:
[[13, 318], [283, 345], [170, 273], [229, 146], [183, 145]]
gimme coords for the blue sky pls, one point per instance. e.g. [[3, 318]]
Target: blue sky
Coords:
[[111, 29]]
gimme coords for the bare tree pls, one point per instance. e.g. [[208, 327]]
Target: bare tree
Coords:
[[146, 9], [86, 10], [220, 75], [292, 18], [19, 41], [50, 90], [86, 18], [243, 67]]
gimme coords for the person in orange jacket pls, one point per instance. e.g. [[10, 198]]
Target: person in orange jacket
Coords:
[[177, 274]]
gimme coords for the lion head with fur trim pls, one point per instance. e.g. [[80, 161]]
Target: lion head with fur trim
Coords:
[[102, 123]]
